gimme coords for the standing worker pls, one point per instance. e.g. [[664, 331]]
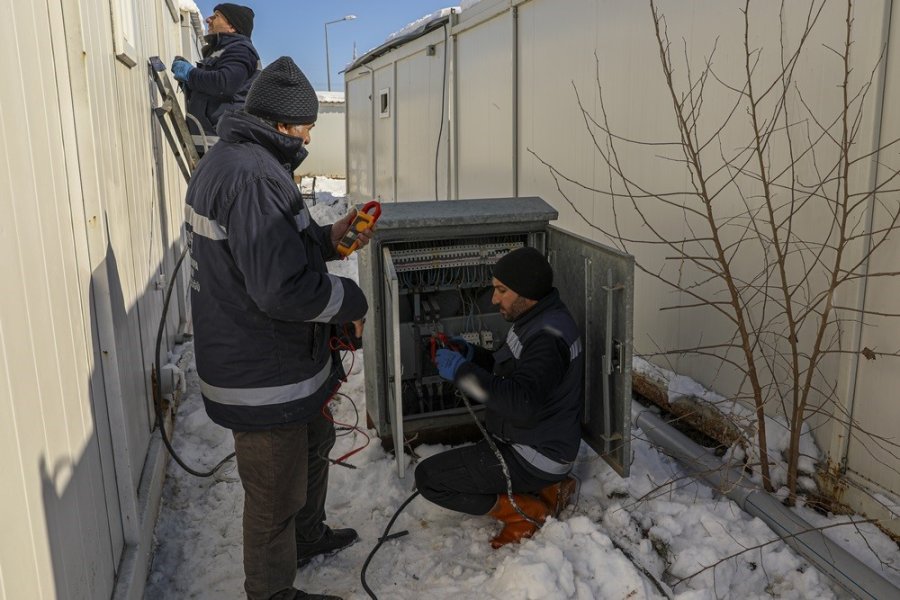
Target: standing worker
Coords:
[[264, 309], [220, 81], [532, 389]]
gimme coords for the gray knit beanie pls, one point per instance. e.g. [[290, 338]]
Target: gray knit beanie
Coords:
[[283, 94]]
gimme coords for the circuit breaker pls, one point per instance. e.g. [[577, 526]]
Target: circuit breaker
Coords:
[[428, 275]]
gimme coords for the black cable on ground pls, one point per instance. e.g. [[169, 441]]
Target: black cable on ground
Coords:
[[662, 587], [653, 578], [499, 455], [384, 537], [157, 401]]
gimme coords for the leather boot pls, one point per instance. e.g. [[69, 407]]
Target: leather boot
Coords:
[[515, 527], [558, 495], [331, 542], [295, 594]]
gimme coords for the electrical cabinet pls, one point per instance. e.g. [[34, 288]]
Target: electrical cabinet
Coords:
[[428, 273]]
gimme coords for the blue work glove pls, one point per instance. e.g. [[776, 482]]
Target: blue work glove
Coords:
[[181, 69], [448, 362], [465, 348]]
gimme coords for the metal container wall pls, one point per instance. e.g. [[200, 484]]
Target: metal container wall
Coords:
[[327, 151], [419, 119], [384, 118], [527, 64], [396, 129], [873, 467], [360, 144], [485, 147], [93, 207]]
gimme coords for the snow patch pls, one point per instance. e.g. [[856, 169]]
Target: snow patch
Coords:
[[411, 27], [189, 6]]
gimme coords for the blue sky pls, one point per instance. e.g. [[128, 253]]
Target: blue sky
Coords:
[[296, 28]]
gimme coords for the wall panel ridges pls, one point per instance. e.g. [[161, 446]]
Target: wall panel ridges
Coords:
[[44, 332]]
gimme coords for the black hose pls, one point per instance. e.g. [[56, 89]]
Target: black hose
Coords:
[[384, 537], [437, 149], [157, 401], [503, 466]]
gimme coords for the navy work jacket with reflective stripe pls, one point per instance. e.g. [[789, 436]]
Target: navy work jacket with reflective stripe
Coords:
[[262, 299], [533, 386], [221, 80]]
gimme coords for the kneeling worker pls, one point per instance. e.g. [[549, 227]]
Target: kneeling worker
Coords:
[[532, 389]]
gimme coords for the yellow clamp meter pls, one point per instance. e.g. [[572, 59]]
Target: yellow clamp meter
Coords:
[[364, 219]]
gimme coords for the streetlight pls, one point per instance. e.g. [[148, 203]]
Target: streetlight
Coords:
[[327, 58]]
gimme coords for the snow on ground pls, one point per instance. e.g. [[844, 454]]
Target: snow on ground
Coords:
[[744, 418], [864, 540], [666, 524]]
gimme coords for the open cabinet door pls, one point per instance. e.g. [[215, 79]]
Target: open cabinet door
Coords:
[[597, 284], [392, 345]]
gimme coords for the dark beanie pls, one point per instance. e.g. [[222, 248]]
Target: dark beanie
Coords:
[[240, 17], [526, 272], [283, 94]]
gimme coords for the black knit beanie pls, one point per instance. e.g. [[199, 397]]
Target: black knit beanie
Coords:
[[240, 17], [526, 272], [283, 94]]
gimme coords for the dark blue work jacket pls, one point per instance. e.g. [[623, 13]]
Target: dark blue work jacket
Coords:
[[262, 298], [532, 387], [220, 81]]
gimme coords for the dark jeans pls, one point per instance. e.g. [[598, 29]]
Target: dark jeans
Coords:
[[284, 473], [468, 479]]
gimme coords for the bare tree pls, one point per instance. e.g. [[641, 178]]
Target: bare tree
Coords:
[[764, 196]]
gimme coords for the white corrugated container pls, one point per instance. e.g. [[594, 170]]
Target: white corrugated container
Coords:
[[93, 205], [328, 148], [514, 68], [399, 142]]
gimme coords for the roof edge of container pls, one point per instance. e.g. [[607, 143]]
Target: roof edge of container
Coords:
[[401, 40]]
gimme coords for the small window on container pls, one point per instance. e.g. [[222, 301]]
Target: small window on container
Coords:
[[124, 33], [384, 102]]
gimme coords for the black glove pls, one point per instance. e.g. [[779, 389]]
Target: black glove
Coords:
[[346, 335]]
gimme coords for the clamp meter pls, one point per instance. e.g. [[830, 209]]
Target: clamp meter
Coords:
[[440, 340], [364, 219]]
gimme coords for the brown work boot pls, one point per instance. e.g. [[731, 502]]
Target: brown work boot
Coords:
[[558, 495], [515, 526]]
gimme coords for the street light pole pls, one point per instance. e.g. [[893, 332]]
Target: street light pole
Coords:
[[327, 57]]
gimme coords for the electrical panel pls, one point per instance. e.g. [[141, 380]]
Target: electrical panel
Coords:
[[443, 289], [428, 277]]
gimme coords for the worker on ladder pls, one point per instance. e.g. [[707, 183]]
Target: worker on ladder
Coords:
[[220, 81]]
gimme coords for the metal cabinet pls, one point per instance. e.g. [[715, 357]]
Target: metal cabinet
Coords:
[[428, 272]]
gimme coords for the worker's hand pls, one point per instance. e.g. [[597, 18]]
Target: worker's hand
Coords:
[[181, 69], [465, 348], [358, 327], [448, 362], [341, 226]]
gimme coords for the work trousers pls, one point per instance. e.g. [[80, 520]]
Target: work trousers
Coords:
[[284, 473], [468, 479]]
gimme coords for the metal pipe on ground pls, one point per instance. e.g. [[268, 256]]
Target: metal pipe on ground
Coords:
[[855, 577]]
